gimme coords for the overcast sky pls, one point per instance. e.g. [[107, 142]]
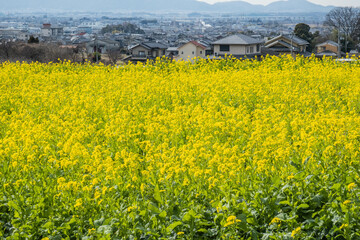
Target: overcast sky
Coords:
[[322, 2]]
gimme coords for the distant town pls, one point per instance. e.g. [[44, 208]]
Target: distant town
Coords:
[[138, 37]]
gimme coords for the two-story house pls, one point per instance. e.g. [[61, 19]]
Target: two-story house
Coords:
[[146, 51], [328, 48], [102, 45], [191, 50], [49, 30], [238, 45], [285, 44]]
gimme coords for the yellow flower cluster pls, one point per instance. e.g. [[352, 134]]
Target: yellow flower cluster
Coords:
[[231, 220], [145, 142], [295, 232]]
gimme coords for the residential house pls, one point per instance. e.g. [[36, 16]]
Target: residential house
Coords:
[[102, 46], [238, 45], [172, 52], [12, 34], [91, 27], [146, 51], [191, 50], [48, 30], [285, 44], [328, 48]]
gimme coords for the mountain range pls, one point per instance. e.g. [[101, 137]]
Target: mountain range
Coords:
[[289, 6]]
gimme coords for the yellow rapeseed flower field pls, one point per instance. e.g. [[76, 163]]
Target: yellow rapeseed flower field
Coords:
[[214, 149]]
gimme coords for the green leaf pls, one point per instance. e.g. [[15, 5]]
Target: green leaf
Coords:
[[157, 195], [153, 209], [13, 205], [172, 226], [48, 225], [189, 215], [250, 220], [336, 186], [162, 214], [306, 160], [297, 166], [304, 205], [99, 222], [105, 229], [285, 203], [65, 226], [192, 213]]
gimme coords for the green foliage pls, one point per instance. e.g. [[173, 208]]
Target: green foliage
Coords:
[[96, 56], [302, 30], [32, 39], [122, 28], [216, 149]]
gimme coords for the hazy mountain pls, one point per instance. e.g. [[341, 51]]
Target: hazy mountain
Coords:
[[237, 6], [162, 5], [295, 5]]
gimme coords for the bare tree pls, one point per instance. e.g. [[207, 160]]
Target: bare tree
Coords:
[[345, 20], [7, 50], [13, 51], [31, 54], [114, 55]]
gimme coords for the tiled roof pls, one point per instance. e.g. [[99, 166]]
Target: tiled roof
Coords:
[[154, 45], [239, 39], [295, 39], [328, 42], [198, 44]]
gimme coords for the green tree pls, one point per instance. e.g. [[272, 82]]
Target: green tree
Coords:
[[125, 28], [302, 31], [96, 57], [32, 39]]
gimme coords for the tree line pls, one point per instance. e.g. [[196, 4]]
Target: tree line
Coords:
[[41, 52], [122, 28], [343, 24], [345, 21]]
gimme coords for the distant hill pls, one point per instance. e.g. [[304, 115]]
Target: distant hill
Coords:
[[162, 6], [237, 6], [295, 6]]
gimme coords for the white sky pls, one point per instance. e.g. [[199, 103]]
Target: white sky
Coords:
[[322, 2]]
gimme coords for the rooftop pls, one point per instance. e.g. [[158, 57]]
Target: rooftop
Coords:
[[239, 39], [293, 38], [154, 45], [328, 42]]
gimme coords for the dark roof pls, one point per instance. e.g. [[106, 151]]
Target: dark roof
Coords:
[[154, 45], [294, 38], [297, 40], [268, 51], [328, 42], [239, 39]]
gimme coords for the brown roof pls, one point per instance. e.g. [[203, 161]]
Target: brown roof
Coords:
[[198, 44]]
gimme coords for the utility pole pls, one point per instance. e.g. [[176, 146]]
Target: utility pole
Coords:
[[346, 39], [339, 46], [96, 47], [292, 48]]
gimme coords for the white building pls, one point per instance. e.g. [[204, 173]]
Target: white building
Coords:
[[237, 45], [191, 50], [51, 31]]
